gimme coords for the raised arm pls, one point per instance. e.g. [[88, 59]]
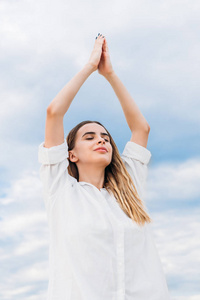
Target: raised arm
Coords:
[[135, 119], [54, 130]]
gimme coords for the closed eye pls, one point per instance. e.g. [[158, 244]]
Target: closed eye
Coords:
[[92, 138]]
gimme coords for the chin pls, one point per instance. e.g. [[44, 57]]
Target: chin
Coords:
[[104, 161]]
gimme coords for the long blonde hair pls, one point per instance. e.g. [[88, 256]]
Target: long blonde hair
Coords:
[[117, 180]]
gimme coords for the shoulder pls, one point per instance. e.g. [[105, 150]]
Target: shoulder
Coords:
[[135, 151]]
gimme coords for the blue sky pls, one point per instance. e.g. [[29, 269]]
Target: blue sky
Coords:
[[154, 48]]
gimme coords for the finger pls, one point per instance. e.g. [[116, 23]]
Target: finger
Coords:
[[97, 37], [106, 43], [105, 47], [99, 40], [100, 35]]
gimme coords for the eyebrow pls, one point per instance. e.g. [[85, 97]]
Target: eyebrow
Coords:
[[92, 132]]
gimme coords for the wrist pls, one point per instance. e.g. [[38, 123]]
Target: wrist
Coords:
[[110, 75], [89, 68]]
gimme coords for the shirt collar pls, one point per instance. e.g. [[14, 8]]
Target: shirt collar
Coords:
[[87, 183]]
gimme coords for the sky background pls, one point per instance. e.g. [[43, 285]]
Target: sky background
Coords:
[[154, 48]]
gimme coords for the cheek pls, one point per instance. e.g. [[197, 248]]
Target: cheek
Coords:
[[111, 150], [84, 152]]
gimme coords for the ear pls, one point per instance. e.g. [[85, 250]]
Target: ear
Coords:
[[72, 156]]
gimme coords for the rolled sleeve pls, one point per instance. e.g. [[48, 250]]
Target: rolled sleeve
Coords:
[[54, 169], [53, 155], [136, 158], [138, 152]]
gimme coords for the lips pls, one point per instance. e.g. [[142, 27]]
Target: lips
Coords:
[[102, 148]]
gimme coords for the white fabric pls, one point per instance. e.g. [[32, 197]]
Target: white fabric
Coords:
[[96, 251]]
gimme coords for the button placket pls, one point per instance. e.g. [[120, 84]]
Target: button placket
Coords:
[[120, 250]]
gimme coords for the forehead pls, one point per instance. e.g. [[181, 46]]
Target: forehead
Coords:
[[90, 127]]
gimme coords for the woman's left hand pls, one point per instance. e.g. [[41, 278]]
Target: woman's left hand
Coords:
[[105, 67]]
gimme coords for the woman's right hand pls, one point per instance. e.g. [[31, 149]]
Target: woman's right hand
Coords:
[[96, 52]]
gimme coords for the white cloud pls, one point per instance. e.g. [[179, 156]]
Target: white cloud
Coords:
[[194, 297], [30, 245], [20, 222], [176, 236], [174, 181], [15, 292]]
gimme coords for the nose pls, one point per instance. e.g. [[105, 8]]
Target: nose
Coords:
[[101, 140]]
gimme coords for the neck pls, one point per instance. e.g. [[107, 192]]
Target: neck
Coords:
[[94, 176]]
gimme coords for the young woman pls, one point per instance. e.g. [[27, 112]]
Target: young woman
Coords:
[[101, 243]]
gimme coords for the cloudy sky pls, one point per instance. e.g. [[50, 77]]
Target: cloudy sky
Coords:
[[154, 48]]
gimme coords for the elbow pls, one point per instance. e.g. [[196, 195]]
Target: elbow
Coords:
[[148, 128], [51, 111], [144, 129]]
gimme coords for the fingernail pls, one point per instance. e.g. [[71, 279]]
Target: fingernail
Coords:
[[98, 33]]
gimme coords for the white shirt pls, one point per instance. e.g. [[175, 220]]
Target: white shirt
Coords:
[[96, 251]]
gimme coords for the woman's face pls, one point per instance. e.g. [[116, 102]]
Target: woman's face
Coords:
[[86, 144]]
